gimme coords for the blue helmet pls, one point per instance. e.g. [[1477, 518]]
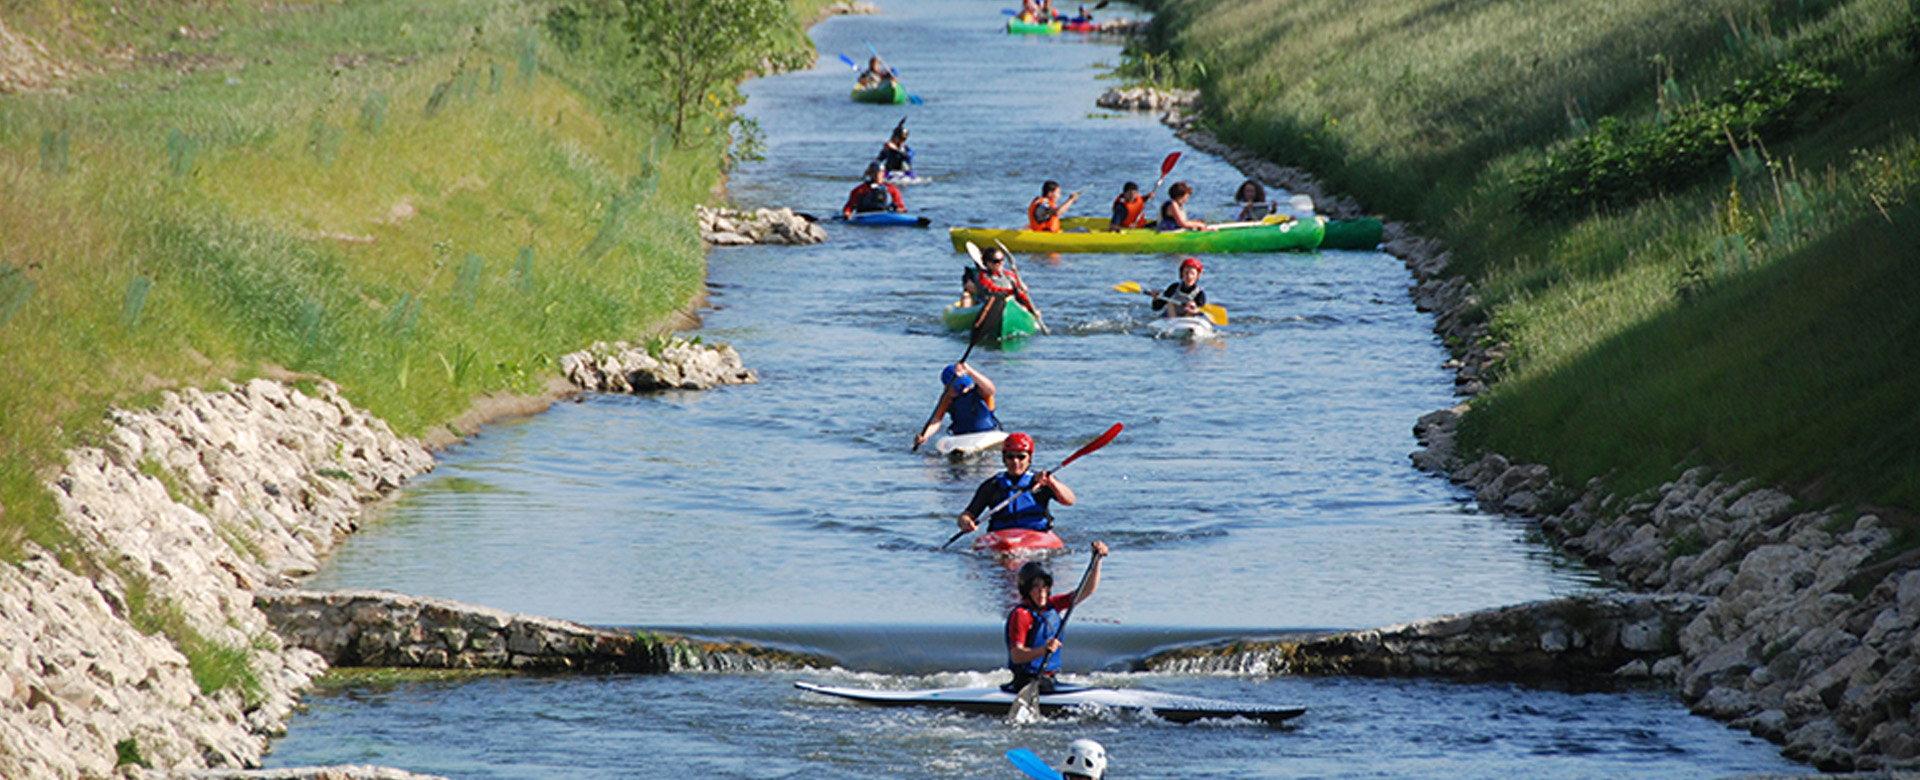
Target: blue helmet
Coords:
[[951, 377]]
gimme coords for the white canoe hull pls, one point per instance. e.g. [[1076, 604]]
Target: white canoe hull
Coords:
[[967, 445], [992, 700], [1191, 328]]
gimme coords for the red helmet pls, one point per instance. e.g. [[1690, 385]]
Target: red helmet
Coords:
[[1018, 442], [1193, 263]]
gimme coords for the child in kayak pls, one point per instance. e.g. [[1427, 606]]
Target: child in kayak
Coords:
[[873, 194], [968, 397], [1252, 199], [1183, 298], [1130, 209], [1033, 627], [1031, 492], [1043, 214], [1173, 213]]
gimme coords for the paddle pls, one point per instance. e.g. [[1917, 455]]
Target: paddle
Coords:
[[973, 338], [911, 98], [1016, 270], [1031, 764], [1214, 312], [1166, 167], [1028, 700], [1096, 444]]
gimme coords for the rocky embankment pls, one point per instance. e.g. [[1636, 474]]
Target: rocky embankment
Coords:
[[1146, 99], [674, 364], [1807, 635], [727, 227]]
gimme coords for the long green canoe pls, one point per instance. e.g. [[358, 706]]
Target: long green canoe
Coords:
[[1004, 323], [1017, 27], [890, 92], [1281, 235]]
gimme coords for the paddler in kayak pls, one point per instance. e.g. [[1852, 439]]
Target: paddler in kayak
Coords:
[[994, 280], [874, 194], [1032, 492], [877, 73], [1183, 298], [1252, 200], [1033, 627], [1130, 209], [1043, 214], [968, 397], [1173, 213], [896, 157]]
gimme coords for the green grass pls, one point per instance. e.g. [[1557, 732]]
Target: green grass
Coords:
[[1757, 315], [420, 201]]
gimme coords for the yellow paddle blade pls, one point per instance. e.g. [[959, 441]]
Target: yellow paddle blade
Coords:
[[1127, 287], [1215, 313]]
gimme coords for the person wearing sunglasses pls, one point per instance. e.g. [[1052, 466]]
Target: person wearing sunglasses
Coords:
[[1032, 492]]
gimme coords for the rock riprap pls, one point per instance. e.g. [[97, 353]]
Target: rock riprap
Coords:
[[672, 364], [727, 227], [1146, 99]]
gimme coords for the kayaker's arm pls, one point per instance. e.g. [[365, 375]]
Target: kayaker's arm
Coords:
[[980, 381], [899, 204], [933, 422], [1093, 574], [1061, 493]]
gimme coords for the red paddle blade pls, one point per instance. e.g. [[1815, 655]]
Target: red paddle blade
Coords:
[[1166, 166], [1092, 445]]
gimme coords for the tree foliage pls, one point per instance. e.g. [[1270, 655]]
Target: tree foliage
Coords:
[[699, 48]]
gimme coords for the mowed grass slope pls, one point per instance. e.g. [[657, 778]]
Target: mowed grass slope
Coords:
[[421, 201], [1757, 313]]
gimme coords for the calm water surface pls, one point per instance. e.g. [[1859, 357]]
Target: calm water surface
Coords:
[[1261, 485]]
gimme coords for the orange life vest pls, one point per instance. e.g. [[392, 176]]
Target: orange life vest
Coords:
[[1136, 211], [1052, 222]]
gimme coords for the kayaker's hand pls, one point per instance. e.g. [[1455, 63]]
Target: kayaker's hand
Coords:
[[1043, 479], [1053, 646], [1099, 549], [967, 524]]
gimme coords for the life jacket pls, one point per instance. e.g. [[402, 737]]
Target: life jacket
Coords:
[[1176, 298], [1051, 224], [971, 414], [896, 159], [1167, 223], [1045, 626], [1024, 511], [1136, 210], [875, 198], [1003, 283]]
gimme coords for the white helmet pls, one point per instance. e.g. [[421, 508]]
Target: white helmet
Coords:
[[1086, 758]]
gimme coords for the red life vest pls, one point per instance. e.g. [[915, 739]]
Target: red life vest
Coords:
[[1052, 222], [1136, 211]]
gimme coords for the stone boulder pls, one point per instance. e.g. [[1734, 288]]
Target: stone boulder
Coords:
[[727, 227], [676, 364]]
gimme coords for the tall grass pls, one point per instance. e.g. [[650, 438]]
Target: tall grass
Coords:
[[421, 201], [1757, 317]]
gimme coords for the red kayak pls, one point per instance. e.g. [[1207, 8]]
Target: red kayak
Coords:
[[1014, 542]]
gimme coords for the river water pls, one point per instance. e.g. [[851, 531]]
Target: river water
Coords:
[[1261, 486]]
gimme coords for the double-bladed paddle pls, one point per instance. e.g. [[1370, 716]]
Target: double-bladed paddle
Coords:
[[1104, 439], [1214, 312], [1031, 764], [1028, 699], [911, 98], [973, 337], [1016, 269]]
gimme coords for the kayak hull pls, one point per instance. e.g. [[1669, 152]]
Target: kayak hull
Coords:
[[1005, 323], [994, 701], [1363, 234], [1017, 27], [967, 445], [1187, 328], [1288, 235], [887, 219], [1013, 542], [890, 93]]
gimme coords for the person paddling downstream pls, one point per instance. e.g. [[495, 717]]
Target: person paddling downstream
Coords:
[[994, 280], [1183, 298], [1043, 214], [1033, 627], [1031, 492], [873, 194], [968, 397]]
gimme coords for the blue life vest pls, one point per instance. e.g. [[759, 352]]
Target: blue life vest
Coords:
[[1024, 511], [1046, 625], [970, 414]]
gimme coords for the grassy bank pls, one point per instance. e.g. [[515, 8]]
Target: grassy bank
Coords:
[[1692, 222], [421, 201]]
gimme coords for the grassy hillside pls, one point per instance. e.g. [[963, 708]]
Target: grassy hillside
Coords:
[[1692, 222], [421, 200]]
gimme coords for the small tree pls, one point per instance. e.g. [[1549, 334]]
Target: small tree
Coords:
[[700, 47]]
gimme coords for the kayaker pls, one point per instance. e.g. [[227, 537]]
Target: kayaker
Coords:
[[1031, 491], [994, 280], [1130, 209], [873, 194], [967, 395], [1183, 298], [1173, 213], [1252, 199], [877, 73], [1041, 11], [1086, 759], [1033, 627], [895, 156], [1043, 214]]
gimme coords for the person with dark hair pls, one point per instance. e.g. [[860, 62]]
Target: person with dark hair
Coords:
[[896, 157], [1252, 199], [1130, 209], [874, 194], [1173, 213], [1033, 627], [1043, 214]]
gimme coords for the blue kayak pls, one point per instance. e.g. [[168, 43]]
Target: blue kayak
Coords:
[[887, 219]]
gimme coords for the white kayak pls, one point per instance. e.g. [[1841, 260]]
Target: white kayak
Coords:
[[1191, 328], [992, 700], [967, 445]]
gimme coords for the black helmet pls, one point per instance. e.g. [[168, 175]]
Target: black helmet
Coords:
[[1032, 572]]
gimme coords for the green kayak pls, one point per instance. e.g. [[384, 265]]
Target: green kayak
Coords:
[[1017, 27], [1004, 323], [1275, 234], [888, 93], [1353, 234]]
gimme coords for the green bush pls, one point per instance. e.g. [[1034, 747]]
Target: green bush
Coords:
[[1620, 162]]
